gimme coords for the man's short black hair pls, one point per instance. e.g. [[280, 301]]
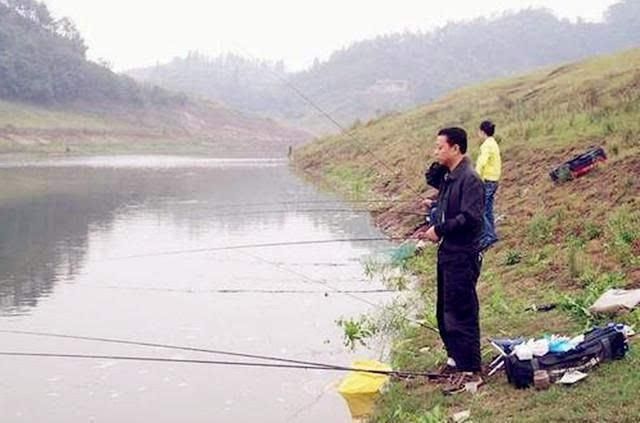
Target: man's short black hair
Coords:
[[455, 136], [488, 128]]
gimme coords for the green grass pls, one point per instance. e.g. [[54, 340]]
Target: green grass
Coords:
[[353, 180], [540, 229], [563, 244], [624, 236], [512, 257]]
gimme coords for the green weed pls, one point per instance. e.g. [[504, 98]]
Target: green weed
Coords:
[[356, 331], [577, 306], [512, 257], [624, 236], [540, 230]]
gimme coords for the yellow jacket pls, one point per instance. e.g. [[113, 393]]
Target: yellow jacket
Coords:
[[489, 163]]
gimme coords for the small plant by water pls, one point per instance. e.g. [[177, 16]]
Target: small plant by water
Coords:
[[357, 330]]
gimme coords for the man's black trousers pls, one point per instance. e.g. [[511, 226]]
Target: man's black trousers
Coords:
[[457, 307]]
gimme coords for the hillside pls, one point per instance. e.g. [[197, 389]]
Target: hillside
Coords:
[[192, 127], [398, 71], [563, 244]]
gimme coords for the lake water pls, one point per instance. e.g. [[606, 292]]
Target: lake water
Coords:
[[128, 248]]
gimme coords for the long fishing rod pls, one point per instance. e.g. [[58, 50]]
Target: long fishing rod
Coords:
[[378, 203], [393, 373], [165, 346], [279, 203], [251, 246], [334, 122], [288, 363], [231, 353], [244, 291], [354, 211]]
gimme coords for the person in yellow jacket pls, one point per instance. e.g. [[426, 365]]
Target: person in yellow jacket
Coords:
[[489, 168]]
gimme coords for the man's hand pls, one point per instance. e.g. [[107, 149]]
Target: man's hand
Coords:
[[427, 202], [431, 235]]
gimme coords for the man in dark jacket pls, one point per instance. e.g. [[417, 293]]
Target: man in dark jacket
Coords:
[[458, 230]]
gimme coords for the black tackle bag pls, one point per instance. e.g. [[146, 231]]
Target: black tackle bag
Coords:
[[600, 345]]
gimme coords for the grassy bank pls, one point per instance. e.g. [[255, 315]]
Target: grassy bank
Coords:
[[561, 244]]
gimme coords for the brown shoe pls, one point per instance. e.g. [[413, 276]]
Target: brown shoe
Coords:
[[461, 382], [447, 370]]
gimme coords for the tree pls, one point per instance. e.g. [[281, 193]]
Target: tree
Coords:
[[43, 60], [65, 28]]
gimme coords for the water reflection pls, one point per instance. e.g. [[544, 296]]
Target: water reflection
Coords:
[[44, 236], [62, 228]]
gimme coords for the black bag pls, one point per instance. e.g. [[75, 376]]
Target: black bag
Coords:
[[434, 175], [600, 345], [579, 165]]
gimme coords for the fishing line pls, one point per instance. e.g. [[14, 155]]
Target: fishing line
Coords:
[[334, 121], [307, 278], [325, 283], [279, 266]]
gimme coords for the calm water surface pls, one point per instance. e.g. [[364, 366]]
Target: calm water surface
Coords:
[[83, 246]]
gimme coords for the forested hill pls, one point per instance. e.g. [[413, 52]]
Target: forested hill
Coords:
[[43, 60], [397, 71]]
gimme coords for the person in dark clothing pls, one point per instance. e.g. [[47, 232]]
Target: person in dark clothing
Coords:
[[434, 176], [458, 230]]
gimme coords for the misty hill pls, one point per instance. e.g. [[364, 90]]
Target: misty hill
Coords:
[[53, 99], [398, 71]]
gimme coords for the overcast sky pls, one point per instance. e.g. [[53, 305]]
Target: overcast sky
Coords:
[[134, 33]]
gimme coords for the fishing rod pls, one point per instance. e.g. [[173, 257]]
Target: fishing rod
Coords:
[[284, 362], [334, 122], [244, 291], [392, 373], [279, 266], [251, 246], [354, 211], [337, 201], [163, 346]]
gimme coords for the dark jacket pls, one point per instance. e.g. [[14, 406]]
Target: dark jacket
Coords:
[[461, 209]]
